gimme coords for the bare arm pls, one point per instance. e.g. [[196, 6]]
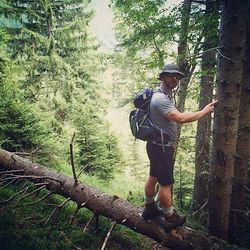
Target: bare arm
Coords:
[[177, 116]]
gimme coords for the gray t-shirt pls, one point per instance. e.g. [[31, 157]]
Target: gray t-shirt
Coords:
[[161, 104]]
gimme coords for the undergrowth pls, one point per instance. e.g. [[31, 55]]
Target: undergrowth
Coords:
[[22, 225]]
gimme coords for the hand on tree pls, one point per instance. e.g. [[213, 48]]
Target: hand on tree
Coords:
[[209, 108]]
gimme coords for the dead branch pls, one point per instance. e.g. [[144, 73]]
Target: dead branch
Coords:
[[67, 239], [229, 59], [31, 177], [16, 183], [76, 211], [12, 171], [32, 153], [246, 212], [200, 209], [41, 183], [41, 199], [33, 192], [25, 184], [6, 185], [108, 235], [83, 168], [13, 196], [88, 223], [246, 188], [72, 217], [72, 159], [57, 207]]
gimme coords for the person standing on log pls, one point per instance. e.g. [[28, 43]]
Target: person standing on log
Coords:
[[165, 117]]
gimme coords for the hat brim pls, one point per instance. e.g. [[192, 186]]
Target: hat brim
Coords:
[[172, 72]]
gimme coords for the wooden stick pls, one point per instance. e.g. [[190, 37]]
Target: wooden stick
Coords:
[[58, 207], [41, 199], [200, 209], [108, 235], [13, 196], [74, 215], [41, 183], [6, 185], [31, 177], [246, 188], [12, 171], [88, 223], [83, 168], [33, 192], [16, 183], [72, 159], [32, 153], [67, 239]]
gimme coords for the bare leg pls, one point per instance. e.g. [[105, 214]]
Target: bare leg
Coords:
[[150, 186], [165, 196]]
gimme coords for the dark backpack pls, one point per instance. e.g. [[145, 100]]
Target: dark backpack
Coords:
[[141, 126]]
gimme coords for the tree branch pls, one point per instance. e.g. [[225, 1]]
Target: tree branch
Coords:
[[13, 196], [72, 159], [67, 239], [33, 192], [57, 207], [108, 235], [88, 223]]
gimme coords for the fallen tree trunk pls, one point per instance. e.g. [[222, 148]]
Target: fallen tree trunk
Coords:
[[113, 207]]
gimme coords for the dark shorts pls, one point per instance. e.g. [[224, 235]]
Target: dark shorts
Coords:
[[161, 163]]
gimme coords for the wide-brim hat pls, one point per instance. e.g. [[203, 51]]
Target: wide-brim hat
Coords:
[[171, 69]]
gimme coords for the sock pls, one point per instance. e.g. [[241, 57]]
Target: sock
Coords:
[[168, 211], [149, 200]]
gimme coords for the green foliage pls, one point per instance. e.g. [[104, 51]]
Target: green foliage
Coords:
[[19, 126], [22, 226], [145, 28], [98, 148], [58, 63]]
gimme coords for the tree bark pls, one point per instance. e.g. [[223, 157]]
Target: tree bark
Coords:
[[182, 61], [113, 207], [232, 40], [238, 201], [202, 149]]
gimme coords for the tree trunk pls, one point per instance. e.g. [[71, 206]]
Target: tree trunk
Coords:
[[232, 40], [182, 61], [238, 201], [202, 150], [112, 207]]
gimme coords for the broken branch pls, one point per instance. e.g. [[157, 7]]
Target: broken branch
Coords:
[[88, 223], [53, 212], [67, 239], [33, 192], [72, 159], [108, 235], [13, 196]]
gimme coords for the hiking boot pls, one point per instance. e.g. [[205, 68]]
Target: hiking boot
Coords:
[[174, 220], [151, 210]]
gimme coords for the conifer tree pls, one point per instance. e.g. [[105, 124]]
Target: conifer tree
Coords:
[[19, 126], [60, 65], [203, 133], [232, 42]]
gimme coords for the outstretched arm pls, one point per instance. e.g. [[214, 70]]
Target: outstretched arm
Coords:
[[177, 116]]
